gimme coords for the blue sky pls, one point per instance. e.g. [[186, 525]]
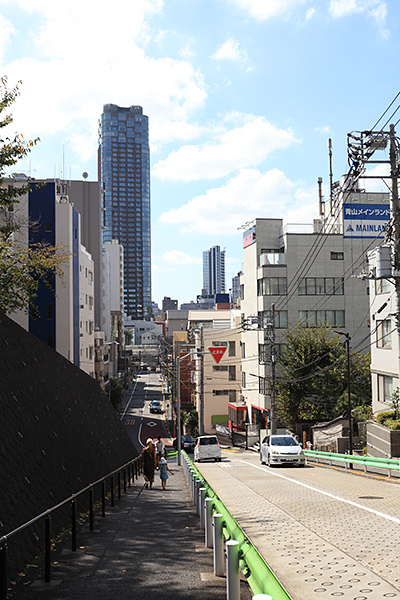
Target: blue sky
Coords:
[[242, 96]]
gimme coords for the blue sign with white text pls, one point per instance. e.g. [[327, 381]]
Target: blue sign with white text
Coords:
[[365, 220]]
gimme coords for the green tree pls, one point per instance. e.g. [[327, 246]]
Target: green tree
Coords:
[[21, 267], [312, 380]]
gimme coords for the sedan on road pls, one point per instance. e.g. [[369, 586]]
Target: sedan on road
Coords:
[[155, 406], [281, 450], [187, 443]]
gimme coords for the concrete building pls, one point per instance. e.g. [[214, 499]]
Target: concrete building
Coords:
[[86, 197], [51, 218], [169, 304], [86, 312], [384, 336], [222, 376], [124, 173], [213, 271], [309, 274]]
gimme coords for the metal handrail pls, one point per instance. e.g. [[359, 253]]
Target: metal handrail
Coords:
[[135, 464], [258, 574], [391, 464]]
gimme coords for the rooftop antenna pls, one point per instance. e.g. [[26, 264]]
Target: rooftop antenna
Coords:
[[330, 176]]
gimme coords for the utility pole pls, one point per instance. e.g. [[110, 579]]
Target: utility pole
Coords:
[[201, 415], [269, 339], [394, 198]]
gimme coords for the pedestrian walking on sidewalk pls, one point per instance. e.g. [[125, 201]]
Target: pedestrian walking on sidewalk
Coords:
[[160, 450], [164, 470], [149, 463]]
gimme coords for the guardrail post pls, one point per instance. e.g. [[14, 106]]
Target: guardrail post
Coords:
[[91, 520], [208, 528], [103, 498], [112, 490], [47, 550], [73, 525], [3, 571], [197, 484], [218, 538], [124, 481], [119, 485], [192, 478], [202, 498], [232, 570]]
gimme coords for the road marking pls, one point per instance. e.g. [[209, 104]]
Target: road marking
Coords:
[[310, 487]]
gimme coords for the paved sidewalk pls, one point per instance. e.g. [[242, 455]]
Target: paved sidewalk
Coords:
[[148, 547]]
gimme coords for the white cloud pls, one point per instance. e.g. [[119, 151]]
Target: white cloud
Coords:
[[323, 129], [82, 60], [376, 185], [176, 257], [310, 13], [6, 31], [266, 9], [247, 145], [222, 210], [229, 50], [377, 9]]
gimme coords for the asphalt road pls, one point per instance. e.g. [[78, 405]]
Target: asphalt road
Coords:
[[139, 422]]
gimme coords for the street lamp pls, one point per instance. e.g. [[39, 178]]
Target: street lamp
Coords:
[[347, 342]]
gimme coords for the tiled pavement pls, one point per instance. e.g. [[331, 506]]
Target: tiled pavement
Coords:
[[325, 533]]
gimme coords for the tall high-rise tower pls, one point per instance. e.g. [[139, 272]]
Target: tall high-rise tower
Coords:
[[124, 173], [214, 271]]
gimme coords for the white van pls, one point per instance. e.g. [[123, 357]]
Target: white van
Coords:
[[207, 446]]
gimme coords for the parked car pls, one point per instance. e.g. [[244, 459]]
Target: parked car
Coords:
[[156, 407], [188, 443], [207, 446], [281, 450]]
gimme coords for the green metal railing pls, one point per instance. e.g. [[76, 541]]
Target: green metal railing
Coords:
[[254, 568], [391, 464]]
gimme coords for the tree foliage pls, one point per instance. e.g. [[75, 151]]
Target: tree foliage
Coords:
[[313, 376], [21, 267]]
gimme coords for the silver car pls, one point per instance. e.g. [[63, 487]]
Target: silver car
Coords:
[[207, 446], [281, 450]]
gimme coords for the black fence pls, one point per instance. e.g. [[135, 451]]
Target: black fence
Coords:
[[108, 486]]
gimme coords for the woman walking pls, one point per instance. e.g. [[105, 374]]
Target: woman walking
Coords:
[[148, 463]]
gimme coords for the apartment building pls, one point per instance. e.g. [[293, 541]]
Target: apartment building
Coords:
[[305, 274]]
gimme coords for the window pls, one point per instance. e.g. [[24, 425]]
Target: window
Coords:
[[265, 352], [264, 386], [337, 255], [220, 392], [382, 286], [220, 367], [385, 388], [48, 227], [90, 278], [243, 379], [232, 373], [332, 318], [49, 312], [319, 286], [232, 349], [220, 344], [383, 334], [281, 318], [243, 349], [271, 286]]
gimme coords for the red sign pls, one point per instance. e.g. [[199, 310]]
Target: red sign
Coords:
[[217, 352]]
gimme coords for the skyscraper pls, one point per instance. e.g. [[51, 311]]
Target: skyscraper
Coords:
[[124, 173], [214, 271]]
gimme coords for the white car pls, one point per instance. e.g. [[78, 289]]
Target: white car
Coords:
[[281, 450], [207, 446]]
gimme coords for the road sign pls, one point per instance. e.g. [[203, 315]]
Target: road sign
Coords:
[[217, 352]]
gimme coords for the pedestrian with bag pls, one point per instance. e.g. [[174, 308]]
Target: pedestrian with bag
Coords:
[[160, 450], [149, 463], [164, 470]]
